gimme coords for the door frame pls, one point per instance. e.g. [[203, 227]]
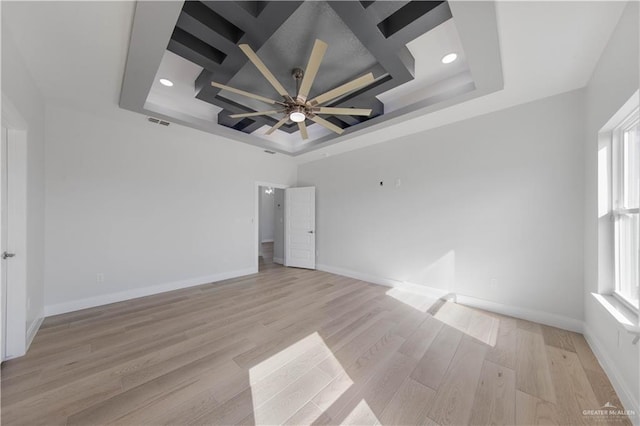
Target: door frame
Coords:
[[17, 338], [256, 217]]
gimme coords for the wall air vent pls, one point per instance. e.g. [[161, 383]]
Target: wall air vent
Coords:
[[158, 121], [269, 152]]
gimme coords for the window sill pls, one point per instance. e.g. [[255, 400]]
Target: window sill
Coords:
[[627, 318]]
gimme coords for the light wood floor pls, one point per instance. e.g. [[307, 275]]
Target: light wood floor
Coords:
[[298, 347]]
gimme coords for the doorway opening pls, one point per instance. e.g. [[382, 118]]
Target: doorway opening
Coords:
[[270, 225]]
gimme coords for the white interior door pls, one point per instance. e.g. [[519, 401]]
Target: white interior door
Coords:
[[3, 244], [300, 227]]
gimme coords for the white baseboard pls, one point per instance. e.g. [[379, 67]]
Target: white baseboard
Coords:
[[33, 329], [76, 305], [615, 376], [387, 282], [278, 260], [541, 317]]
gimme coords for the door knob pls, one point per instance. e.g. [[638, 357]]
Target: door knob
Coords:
[[310, 232], [7, 254]]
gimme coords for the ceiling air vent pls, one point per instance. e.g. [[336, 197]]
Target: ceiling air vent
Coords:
[[158, 121], [269, 152]]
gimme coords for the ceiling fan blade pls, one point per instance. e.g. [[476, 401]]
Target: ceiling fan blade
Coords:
[[321, 121], [303, 130], [253, 114], [263, 69], [277, 125], [319, 49], [243, 93], [343, 111], [341, 90]]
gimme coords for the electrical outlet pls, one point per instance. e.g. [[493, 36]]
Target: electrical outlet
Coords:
[[99, 277]]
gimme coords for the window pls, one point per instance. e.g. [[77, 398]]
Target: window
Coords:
[[626, 203]]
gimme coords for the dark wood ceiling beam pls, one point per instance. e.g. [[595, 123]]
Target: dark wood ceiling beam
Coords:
[[195, 50], [415, 19], [205, 33], [381, 9]]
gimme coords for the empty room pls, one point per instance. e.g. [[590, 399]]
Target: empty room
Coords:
[[320, 212]]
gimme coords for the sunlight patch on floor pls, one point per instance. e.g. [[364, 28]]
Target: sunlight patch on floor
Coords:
[[282, 385], [476, 324], [417, 301], [362, 414]]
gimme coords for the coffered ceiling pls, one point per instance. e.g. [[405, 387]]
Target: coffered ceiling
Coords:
[[400, 42]]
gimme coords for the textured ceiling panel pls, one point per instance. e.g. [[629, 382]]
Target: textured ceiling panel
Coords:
[[362, 37], [290, 47]]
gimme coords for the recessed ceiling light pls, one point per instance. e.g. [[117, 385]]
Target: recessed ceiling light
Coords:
[[447, 59], [166, 82]]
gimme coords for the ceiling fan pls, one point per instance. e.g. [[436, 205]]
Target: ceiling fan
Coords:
[[298, 108]]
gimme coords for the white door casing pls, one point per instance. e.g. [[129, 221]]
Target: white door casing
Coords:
[[3, 243], [16, 339], [300, 227]]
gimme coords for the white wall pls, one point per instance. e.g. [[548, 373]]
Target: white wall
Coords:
[[19, 88], [267, 216], [498, 196], [613, 81], [150, 207]]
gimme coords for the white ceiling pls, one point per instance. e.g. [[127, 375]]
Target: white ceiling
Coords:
[[181, 96], [76, 53], [428, 51]]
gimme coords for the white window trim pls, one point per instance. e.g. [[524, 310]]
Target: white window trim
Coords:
[[617, 192]]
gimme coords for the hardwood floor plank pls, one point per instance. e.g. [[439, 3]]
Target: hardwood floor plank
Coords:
[[573, 390], [410, 405], [529, 326], [602, 388], [587, 358], [534, 411], [483, 327], [456, 316], [345, 391], [454, 399], [533, 375], [361, 415], [494, 401], [384, 384], [433, 365], [196, 375], [419, 341], [504, 351], [559, 338], [232, 412], [286, 403], [308, 414]]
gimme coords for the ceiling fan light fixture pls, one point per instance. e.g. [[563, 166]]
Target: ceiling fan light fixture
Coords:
[[448, 58], [297, 116]]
